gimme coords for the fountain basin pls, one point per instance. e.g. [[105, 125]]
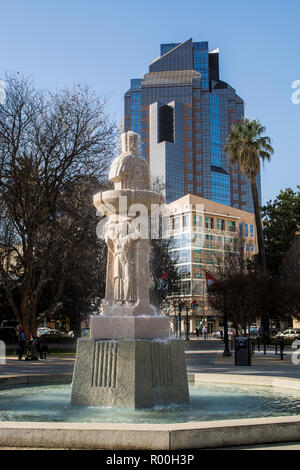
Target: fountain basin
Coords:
[[189, 432]]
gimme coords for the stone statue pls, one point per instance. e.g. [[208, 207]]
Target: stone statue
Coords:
[[125, 363], [128, 278]]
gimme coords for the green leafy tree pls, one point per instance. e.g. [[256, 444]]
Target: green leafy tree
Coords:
[[281, 219]]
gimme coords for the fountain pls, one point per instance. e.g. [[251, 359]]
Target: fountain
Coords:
[[129, 388], [129, 361]]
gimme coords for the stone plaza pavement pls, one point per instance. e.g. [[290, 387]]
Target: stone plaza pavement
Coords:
[[202, 356]]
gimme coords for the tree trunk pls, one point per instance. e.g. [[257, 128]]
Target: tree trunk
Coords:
[[75, 324], [259, 230], [265, 323], [226, 339]]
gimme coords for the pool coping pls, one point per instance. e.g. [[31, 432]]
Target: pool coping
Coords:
[[172, 436]]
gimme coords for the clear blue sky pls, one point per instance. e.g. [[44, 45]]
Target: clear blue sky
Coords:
[[105, 43]]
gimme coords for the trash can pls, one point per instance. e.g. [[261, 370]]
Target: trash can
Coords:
[[242, 352]]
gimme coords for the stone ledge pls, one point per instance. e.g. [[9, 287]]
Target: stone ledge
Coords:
[[103, 436], [192, 435], [147, 327], [9, 380]]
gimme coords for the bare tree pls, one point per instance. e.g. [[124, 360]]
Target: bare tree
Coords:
[[51, 144]]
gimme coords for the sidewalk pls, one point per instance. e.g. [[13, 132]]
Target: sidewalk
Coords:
[[202, 356], [54, 364], [207, 357]]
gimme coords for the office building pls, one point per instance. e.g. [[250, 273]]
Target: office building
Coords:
[[202, 231], [183, 113]]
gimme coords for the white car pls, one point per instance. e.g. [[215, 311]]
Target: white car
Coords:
[[53, 332], [217, 334], [42, 330], [292, 333]]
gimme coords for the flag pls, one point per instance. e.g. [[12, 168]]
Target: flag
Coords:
[[210, 280], [162, 282], [164, 276]]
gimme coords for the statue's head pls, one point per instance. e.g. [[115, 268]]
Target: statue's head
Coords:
[[129, 171], [129, 143]]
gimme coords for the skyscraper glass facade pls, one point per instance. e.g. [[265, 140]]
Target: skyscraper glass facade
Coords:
[[191, 137]]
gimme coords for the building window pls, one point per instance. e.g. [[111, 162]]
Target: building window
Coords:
[[190, 187], [209, 222], [197, 220], [166, 124], [176, 223], [220, 184], [230, 226], [186, 221], [220, 224]]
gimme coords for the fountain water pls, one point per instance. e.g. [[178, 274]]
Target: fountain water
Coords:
[[129, 360]]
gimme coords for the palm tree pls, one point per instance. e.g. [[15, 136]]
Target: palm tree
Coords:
[[247, 146]]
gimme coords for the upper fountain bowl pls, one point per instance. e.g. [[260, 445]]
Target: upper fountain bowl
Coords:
[[121, 200]]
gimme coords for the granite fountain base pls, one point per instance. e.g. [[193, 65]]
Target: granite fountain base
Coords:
[[129, 372]]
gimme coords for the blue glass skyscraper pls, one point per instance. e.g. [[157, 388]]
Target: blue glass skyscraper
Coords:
[[183, 113]]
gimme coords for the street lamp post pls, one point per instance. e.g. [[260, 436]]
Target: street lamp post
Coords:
[[187, 323], [180, 307], [176, 319], [226, 352]]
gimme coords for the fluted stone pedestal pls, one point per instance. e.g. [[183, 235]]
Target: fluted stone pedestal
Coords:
[[129, 373]]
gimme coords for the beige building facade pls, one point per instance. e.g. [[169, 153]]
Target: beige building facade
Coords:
[[201, 231]]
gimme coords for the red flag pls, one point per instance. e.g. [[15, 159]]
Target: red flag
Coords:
[[209, 279], [164, 276]]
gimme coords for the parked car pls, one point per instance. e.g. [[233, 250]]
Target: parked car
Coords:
[[254, 330], [53, 332], [290, 333], [85, 332], [8, 334], [217, 334], [42, 330]]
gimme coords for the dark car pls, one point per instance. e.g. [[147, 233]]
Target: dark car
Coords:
[[8, 334]]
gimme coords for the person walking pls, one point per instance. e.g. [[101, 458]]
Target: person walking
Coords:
[[204, 331], [21, 341]]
